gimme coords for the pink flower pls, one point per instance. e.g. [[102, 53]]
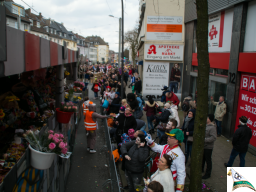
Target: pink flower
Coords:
[[62, 145], [66, 144], [61, 140], [64, 151], [62, 103], [61, 136], [56, 140], [50, 132], [56, 135], [50, 136], [52, 146], [67, 104]]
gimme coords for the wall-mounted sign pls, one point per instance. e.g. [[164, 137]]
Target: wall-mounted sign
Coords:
[[155, 77], [163, 52], [247, 104], [165, 28]]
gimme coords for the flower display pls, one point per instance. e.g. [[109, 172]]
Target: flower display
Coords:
[[49, 142], [68, 107], [79, 84]]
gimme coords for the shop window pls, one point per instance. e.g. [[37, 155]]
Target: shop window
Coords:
[[216, 90], [221, 72]]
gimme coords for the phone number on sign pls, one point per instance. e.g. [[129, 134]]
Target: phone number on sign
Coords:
[[249, 109]]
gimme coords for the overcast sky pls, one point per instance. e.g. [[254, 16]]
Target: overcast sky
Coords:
[[89, 17]]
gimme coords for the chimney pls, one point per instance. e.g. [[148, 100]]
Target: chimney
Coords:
[[28, 11], [40, 16], [62, 23]]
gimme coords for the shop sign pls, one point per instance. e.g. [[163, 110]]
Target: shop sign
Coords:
[[155, 77], [163, 52], [164, 28], [247, 104]]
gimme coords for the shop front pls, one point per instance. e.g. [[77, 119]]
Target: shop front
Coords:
[[31, 99], [162, 66]]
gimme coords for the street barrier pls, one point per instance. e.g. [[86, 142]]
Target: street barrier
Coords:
[[112, 166]]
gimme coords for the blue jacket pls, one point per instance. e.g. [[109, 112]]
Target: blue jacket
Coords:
[[133, 79]]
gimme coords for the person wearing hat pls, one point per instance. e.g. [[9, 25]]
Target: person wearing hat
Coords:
[[135, 155], [210, 137], [150, 108], [90, 124], [165, 90], [241, 140], [162, 120], [172, 148]]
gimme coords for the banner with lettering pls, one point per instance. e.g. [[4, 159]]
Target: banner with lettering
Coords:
[[155, 77], [247, 104]]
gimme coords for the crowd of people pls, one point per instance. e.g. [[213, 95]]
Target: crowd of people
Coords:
[[133, 136]]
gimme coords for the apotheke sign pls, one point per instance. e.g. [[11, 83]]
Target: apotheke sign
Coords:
[[163, 52]]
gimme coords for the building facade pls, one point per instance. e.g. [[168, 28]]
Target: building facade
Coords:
[[161, 45], [232, 56]]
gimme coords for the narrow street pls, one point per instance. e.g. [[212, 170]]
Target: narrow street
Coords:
[[88, 172]]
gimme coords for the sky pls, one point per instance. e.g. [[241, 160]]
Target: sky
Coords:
[[89, 17]]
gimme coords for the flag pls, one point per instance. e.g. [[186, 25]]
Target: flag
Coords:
[[239, 180]]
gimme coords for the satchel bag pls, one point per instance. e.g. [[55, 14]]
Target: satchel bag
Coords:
[[105, 104], [190, 138]]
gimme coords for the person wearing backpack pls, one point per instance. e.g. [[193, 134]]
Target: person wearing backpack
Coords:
[[187, 104], [96, 89]]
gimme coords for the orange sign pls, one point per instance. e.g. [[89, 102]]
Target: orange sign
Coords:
[[164, 28]]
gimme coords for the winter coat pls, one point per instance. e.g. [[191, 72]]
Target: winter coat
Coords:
[[121, 117], [192, 104], [210, 135], [175, 100], [126, 76], [132, 101], [137, 86], [130, 72], [150, 109], [220, 110], [115, 105], [140, 124], [129, 123], [241, 138], [164, 117], [137, 155], [111, 96], [163, 97], [174, 114], [190, 127]]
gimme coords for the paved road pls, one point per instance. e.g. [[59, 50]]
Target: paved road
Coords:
[[88, 171]]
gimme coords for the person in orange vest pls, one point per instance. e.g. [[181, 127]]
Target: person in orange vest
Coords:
[[90, 124]]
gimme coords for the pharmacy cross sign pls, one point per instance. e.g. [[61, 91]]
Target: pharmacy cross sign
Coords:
[[213, 32]]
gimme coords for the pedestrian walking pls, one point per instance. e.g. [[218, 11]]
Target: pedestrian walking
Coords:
[[90, 124], [175, 78], [241, 140], [210, 137], [220, 111]]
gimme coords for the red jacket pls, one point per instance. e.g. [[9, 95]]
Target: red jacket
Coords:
[[130, 72], [175, 100]]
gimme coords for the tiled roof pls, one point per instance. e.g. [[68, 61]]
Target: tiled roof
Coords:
[[40, 30], [8, 13], [96, 39]]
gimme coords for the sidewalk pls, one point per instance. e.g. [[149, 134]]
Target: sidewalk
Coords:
[[89, 172], [221, 152]]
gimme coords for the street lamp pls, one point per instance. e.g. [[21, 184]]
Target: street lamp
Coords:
[[122, 66], [119, 51]]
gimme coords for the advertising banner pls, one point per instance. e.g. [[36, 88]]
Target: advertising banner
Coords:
[[163, 52], [215, 28], [247, 104], [155, 77], [165, 28]]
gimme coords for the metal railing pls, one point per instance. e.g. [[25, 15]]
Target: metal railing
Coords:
[[112, 166]]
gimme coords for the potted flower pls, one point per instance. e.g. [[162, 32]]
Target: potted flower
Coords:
[[44, 148], [79, 84], [65, 111], [76, 99], [77, 90]]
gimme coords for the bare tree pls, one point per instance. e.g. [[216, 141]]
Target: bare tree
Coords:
[[202, 95], [130, 38]]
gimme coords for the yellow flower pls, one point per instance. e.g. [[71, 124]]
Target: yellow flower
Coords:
[[137, 190], [79, 98], [74, 97]]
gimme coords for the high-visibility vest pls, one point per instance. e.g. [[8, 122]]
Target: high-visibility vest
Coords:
[[89, 124], [85, 107]]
